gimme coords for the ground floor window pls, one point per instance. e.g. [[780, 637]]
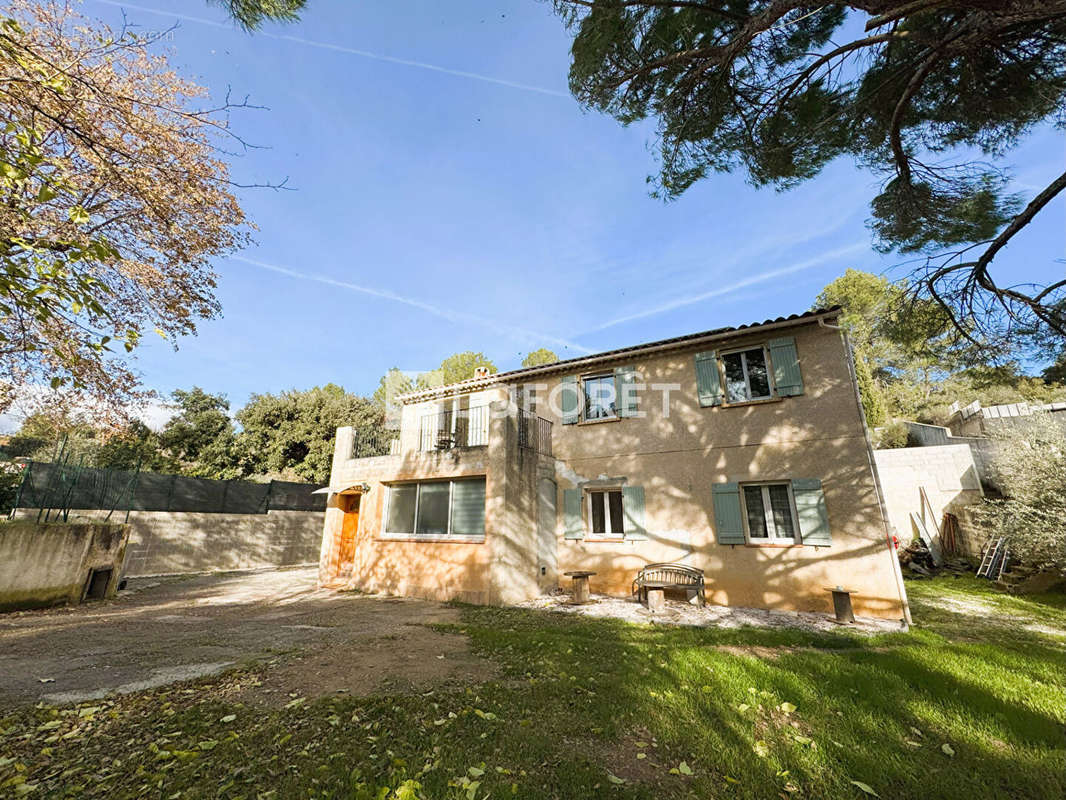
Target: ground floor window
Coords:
[[605, 512], [770, 511], [436, 508]]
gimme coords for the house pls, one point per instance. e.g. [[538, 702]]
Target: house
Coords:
[[741, 451]]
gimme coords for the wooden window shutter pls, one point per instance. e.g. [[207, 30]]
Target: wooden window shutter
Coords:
[[787, 378], [811, 511], [625, 398], [568, 399], [728, 522], [633, 504], [708, 381], [575, 528]]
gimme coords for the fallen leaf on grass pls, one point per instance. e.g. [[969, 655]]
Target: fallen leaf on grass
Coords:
[[761, 748], [615, 779], [949, 751], [228, 718], [642, 755], [865, 788], [787, 708], [46, 680]]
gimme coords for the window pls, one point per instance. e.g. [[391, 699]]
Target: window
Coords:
[[770, 512], [599, 396], [746, 375], [436, 509], [605, 512]]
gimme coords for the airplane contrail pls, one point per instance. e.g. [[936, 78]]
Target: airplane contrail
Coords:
[[449, 314], [525, 87]]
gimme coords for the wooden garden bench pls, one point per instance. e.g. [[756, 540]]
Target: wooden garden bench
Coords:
[[659, 577]]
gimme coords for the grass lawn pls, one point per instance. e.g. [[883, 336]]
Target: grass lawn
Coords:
[[970, 704]]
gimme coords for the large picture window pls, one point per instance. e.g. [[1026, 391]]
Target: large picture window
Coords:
[[746, 375], [770, 512], [436, 509]]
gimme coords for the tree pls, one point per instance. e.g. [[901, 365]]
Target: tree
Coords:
[[907, 367], [1030, 468], [201, 436], [294, 432], [455, 368], [779, 88], [539, 358], [114, 198], [393, 383], [1056, 373], [251, 14]]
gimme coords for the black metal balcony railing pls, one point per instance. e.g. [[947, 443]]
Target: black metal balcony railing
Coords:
[[534, 433], [370, 443], [467, 427]]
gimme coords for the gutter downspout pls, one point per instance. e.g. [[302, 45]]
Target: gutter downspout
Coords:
[[896, 571]]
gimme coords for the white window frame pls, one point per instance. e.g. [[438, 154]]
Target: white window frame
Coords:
[[595, 376], [771, 529], [427, 537], [608, 520], [747, 380]]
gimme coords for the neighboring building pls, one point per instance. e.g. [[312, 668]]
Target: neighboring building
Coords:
[[976, 420], [739, 451]]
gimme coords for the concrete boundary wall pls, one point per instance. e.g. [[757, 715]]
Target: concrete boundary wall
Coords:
[[46, 564], [174, 543], [949, 476]]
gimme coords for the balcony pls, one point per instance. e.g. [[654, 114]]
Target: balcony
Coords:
[[534, 433], [466, 427], [450, 430]]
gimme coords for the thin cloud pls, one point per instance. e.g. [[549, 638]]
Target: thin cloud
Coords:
[[753, 280], [406, 62], [526, 336]]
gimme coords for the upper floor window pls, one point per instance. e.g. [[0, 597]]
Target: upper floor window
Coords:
[[746, 375], [599, 396]]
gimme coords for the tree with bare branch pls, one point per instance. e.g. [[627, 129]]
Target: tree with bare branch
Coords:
[[115, 196], [923, 93]]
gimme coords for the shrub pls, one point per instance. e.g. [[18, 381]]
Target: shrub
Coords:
[[1030, 468]]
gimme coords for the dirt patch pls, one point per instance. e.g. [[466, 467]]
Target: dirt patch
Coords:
[[413, 660], [756, 651], [637, 758], [307, 640]]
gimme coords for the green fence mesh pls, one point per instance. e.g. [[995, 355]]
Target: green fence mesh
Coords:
[[66, 486]]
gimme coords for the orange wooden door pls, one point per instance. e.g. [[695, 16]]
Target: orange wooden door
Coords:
[[349, 527]]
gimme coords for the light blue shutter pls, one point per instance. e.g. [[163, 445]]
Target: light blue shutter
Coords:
[[568, 399], [625, 399], [572, 514], [728, 523], [787, 378], [811, 511], [633, 506], [708, 382], [468, 507]]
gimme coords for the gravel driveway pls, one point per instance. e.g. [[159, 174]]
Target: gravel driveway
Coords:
[[160, 631]]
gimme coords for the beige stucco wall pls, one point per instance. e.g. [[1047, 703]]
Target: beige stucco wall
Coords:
[[946, 472], [44, 564], [677, 457]]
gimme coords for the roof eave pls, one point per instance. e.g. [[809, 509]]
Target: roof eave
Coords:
[[476, 384]]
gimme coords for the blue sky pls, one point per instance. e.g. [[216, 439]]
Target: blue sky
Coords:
[[451, 195]]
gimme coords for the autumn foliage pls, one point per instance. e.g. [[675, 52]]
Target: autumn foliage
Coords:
[[114, 199]]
